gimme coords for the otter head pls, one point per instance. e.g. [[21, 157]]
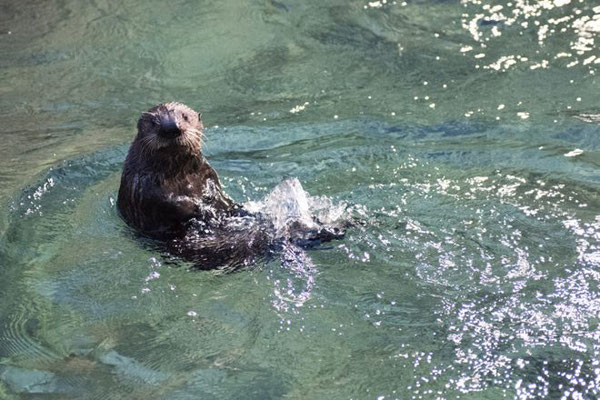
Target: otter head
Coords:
[[170, 127]]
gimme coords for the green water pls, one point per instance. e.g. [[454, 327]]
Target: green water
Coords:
[[465, 136]]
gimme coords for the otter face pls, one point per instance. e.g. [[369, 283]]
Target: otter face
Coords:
[[168, 126]]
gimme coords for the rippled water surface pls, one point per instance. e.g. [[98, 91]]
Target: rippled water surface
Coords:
[[462, 134]]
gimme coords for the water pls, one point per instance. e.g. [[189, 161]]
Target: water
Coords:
[[463, 135]]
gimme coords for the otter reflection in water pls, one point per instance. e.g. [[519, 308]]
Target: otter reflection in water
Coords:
[[169, 192]]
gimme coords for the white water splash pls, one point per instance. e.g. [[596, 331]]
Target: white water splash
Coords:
[[293, 212], [289, 206]]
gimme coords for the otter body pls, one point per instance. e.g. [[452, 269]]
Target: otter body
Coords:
[[169, 192], [166, 181]]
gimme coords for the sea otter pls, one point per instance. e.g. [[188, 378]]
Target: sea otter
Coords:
[[166, 180], [169, 192]]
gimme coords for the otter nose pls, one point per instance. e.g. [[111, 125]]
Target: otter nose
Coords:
[[169, 128]]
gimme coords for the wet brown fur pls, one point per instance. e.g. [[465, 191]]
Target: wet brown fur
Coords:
[[166, 181], [169, 192]]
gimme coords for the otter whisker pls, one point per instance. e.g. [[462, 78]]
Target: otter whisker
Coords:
[[148, 144], [199, 135]]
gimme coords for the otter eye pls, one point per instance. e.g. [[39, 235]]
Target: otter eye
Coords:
[[185, 116]]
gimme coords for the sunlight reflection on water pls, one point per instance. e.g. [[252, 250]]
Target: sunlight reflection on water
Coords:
[[461, 135]]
